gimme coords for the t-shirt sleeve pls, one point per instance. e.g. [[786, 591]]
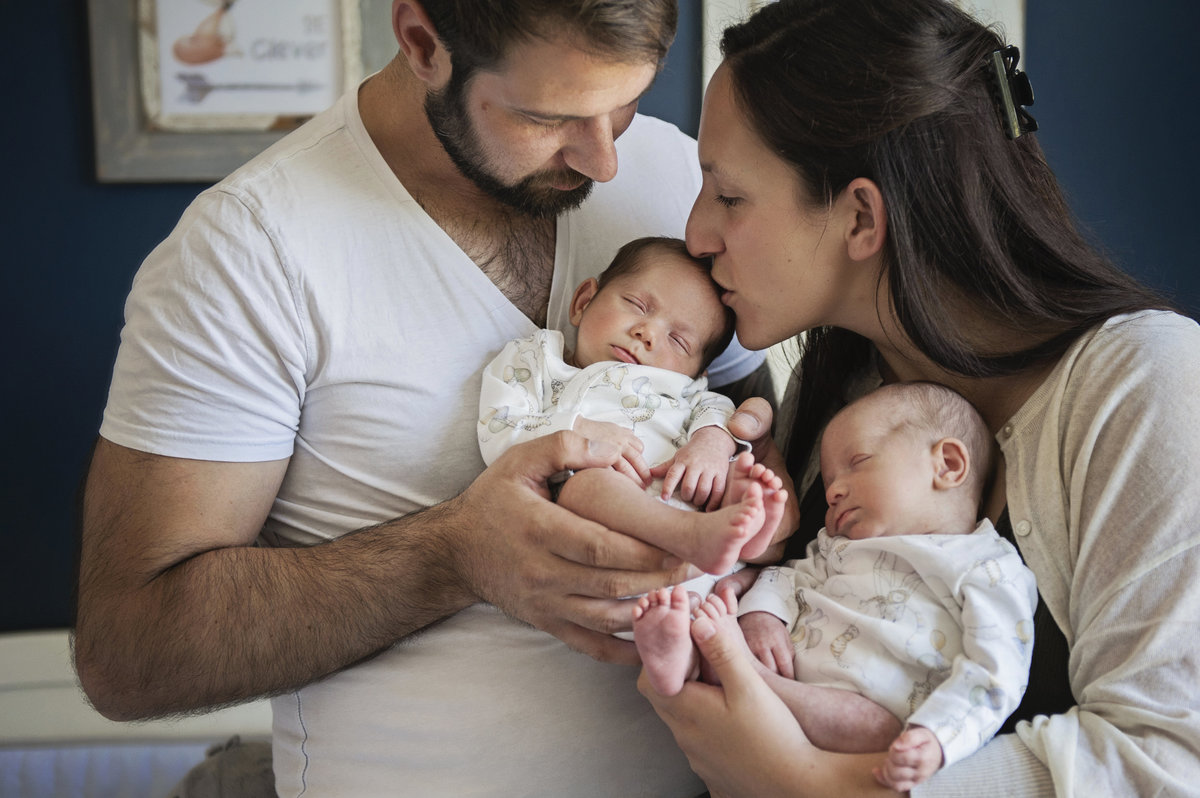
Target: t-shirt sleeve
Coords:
[[212, 359]]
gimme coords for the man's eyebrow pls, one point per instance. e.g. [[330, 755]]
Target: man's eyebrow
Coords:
[[548, 117], [544, 117]]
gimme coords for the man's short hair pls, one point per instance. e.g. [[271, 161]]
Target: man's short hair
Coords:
[[480, 35]]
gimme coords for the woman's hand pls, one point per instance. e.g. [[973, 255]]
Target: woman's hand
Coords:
[[742, 740], [739, 738]]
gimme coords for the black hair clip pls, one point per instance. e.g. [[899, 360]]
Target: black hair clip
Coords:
[[1015, 92]]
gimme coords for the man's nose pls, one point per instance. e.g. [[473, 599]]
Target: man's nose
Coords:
[[593, 152]]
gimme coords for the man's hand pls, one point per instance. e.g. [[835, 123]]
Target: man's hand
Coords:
[[699, 469], [171, 581], [630, 463], [540, 563]]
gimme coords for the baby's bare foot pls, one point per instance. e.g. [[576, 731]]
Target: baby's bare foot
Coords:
[[662, 622], [738, 478], [720, 607], [774, 502], [722, 534]]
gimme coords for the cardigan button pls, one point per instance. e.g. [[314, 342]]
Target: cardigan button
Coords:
[[1023, 528]]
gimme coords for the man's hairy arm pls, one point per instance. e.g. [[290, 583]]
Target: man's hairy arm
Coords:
[[178, 610]]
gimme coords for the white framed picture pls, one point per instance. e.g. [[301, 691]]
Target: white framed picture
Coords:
[[188, 90], [244, 64]]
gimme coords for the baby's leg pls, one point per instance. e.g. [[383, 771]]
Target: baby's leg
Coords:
[[744, 472], [711, 541], [662, 622]]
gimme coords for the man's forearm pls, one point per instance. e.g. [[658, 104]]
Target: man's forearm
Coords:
[[235, 623], [178, 610]]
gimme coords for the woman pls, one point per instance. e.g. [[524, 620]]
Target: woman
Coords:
[[862, 186]]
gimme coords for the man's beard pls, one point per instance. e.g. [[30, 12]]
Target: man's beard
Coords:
[[534, 195]]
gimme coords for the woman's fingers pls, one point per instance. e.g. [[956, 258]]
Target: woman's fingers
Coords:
[[728, 657]]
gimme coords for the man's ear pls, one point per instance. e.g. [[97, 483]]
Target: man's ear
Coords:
[[419, 43], [583, 297], [866, 230], [951, 463]]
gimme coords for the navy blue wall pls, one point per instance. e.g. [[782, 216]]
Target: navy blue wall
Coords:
[[70, 249], [1117, 86], [1115, 99]]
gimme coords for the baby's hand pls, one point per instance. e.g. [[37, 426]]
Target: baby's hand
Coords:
[[913, 757], [738, 581], [631, 462], [769, 641], [699, 468]]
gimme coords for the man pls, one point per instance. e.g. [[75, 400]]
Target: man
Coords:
[[300, 370]]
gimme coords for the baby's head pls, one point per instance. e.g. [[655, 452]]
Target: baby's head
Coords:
[[909, 458], [655, 305]]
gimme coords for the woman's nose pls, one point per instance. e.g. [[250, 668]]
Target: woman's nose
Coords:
[[698, 234]]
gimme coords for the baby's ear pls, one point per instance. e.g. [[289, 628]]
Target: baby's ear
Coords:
[[951, 463], [583, 297]]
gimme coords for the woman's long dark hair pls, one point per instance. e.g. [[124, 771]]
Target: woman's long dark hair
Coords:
[[985, 269]]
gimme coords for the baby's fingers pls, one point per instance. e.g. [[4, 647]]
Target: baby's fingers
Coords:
[[717, 491], [784, 662], [625, 468], [670, 479], [900, 784]]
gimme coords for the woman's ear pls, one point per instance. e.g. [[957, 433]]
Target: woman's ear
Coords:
[[419, 43], [951, 463], [583, 297], [867, 229]]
